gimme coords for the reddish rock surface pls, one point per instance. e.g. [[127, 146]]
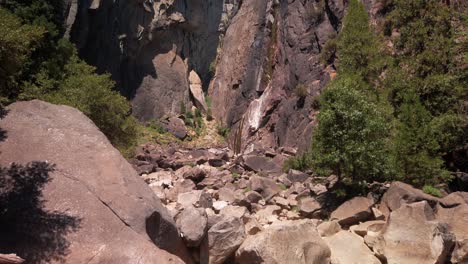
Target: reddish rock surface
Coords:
[[94, 188]]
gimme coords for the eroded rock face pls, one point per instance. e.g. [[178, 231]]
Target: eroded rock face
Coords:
[[270, 48], [94, 190], [288, 242]]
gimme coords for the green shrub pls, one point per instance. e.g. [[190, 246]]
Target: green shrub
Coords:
[[222, 130], [327, 54], [301, 90], [351, 139], [432, 191], [300, 163], [17, 42], [92, 94]]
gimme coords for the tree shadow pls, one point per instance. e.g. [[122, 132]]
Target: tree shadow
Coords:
[[26, 227]]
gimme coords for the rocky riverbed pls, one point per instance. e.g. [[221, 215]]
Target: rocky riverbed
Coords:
[[245, 209]]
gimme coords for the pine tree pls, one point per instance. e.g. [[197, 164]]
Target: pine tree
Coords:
[[417, 159], [357, 48], [426, 89]]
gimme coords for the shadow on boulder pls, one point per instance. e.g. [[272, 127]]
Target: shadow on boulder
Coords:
[[27, 228]]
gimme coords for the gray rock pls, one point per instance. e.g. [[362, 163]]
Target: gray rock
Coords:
[[175, 126], [253, 197], [222, 240], [328, 228], [192, 224], [265, 186], [297, 176], [195, 198], [353, 211], [347, 247], [308, 206], [287, 242]]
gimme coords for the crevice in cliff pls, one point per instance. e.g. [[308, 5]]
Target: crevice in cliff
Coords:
[[334, 20]]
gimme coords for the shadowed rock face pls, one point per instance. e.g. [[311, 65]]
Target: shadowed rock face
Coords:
[[93, 185], [149, 47]]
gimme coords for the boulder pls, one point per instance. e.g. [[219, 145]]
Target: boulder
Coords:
[[236, 211], [219, 205], [370, 226], [260, 164], [160, 178], [454, 199], [353, 211], [349, 248], [318, 189], [252, 226], [192, 224], [268, 215], [328, 228], [308, 206], [182, 186], [196, 174], [94, 202], [457, 220], [287, 242], [265, 186], [297, 176], [196, 90], [175, 126], [253, 197], [222, 240], [412, 235], [460, 252], [401, 193], [197, 198]]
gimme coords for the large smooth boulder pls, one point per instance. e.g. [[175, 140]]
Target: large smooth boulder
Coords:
[[222, 240], [353, 211], [401, 193], [287, 242], [412, 235], [95, 203], [349, 248]]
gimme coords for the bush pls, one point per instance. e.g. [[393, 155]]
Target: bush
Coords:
[[301, 90], [352, 134], [222, 130], [300, 163], [432, 191], [17, 42], [93, 95], [327, 55]]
